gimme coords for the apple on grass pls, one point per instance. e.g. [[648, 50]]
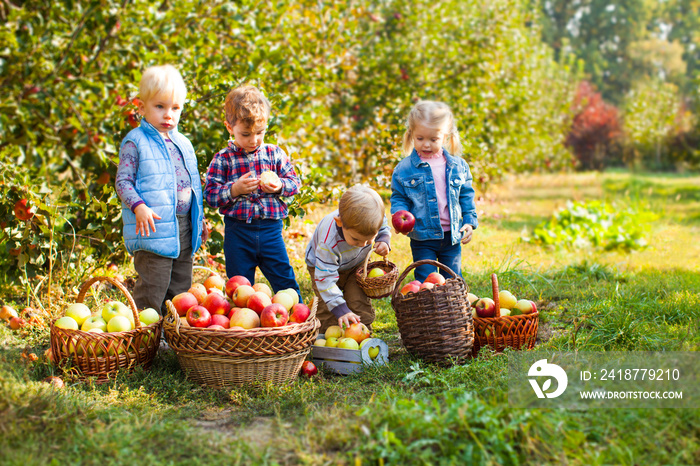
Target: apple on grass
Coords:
[[93, 322], [258, 301], [8, 312], [309, 369], [245, 318], [506, 299], [216, 304], [241, 295], [198, 316], [435, 278], [274, 315], [376, 272], [79, 312], [485, 307], [183, 301], [403, 221], [300, 313], [234, 282]]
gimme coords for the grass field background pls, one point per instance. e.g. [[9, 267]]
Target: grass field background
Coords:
[[410, 412]]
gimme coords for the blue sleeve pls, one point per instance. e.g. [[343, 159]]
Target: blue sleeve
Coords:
[[466, 200]]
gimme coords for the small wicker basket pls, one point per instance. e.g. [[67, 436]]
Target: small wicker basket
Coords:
[[223, 358], [436, 324], [514, 331], [377, 287], [101, 355]]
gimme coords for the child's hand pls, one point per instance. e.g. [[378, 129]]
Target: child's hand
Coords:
[[381, 248], [246, 184], [349, 318], [466, 231], [145, 218]]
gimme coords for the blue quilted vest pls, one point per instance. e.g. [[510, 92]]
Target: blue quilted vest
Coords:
[[157, 186]]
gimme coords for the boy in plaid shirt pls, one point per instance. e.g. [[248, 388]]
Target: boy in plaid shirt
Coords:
[[249, 197]]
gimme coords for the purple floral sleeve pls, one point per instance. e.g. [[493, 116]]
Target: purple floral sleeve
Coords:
[[126, 175]]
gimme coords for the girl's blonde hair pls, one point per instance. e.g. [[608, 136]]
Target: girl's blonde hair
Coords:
[[361, 209], [433, 115], [247, 104], [162, 80]]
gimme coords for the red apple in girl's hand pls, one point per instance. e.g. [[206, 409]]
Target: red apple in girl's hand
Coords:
[[403, 221]]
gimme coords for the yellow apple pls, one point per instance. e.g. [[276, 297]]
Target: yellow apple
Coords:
[[375, 272], [331, 342], [505, 312], [506, 299], [320, 342], [79, 312], [284, 298], [94, 322], [348, 343], [373, 352], [67, 322], [119, 324], [149, 316], [334, 331], [293, 293]]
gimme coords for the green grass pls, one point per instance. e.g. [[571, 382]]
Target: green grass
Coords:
[[409, 412]]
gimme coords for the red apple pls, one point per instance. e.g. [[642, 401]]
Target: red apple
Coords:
[[245, 318], [234, 282], [220, 319], [435, 278], [241, 295], [232, 311], [485, 307], [403, 221], [198, 316], [258, 301], [23, 210], [214, 281], [300, 312], [17, 323], [216, 327], [411, 287], [309, 369], [183, 302], [357, 332], [274, 315], [199, 291], [264, 288], [216, 303], [426, 286]]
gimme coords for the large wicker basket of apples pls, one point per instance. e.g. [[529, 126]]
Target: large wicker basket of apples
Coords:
[[110, 337], [232, 332], [504, 320]]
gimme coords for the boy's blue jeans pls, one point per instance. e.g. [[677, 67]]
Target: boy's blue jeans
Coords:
[[259, 243], [441, 250]]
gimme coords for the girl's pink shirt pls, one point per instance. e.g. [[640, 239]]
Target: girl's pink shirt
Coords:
[[437, 166]]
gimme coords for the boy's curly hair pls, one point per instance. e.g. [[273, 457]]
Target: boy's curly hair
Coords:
[[247, 105], [361, 209]]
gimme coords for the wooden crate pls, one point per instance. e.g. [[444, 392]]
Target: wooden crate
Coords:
[[346, 361]]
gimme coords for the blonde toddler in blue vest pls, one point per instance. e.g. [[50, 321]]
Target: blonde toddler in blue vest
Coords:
[[159, 185]]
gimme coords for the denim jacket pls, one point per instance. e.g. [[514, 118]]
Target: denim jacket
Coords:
[[413, 189]]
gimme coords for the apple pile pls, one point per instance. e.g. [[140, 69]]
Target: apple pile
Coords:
[[28, 317], [113, 316], [510, 305], [218, 304], [431, 281], [354, 337]]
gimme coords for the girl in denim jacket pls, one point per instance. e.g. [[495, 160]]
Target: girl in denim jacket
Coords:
[[435, 185]]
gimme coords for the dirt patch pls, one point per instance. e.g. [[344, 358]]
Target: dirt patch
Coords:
[[256, 431]]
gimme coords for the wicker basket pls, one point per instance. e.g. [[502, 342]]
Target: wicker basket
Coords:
[[514, 331], [101, 355], [436, 324], [377, 287], [220, 358]]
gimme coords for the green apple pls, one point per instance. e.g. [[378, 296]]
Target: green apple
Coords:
[[331, 342], [505, 312], [364, 342], [67, 322], [119, 324], [94, 322], [348, 343], [375, 272], [109, 310], [149, 316], [125, 311], [293, 293], [79, 312]]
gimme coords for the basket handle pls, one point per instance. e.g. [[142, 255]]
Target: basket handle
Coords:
[[413, 266], [86, 287], [494, 286], [173, 313], [314, 308]]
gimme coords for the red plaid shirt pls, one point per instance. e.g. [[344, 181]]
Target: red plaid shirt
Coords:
[[233, 162]]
